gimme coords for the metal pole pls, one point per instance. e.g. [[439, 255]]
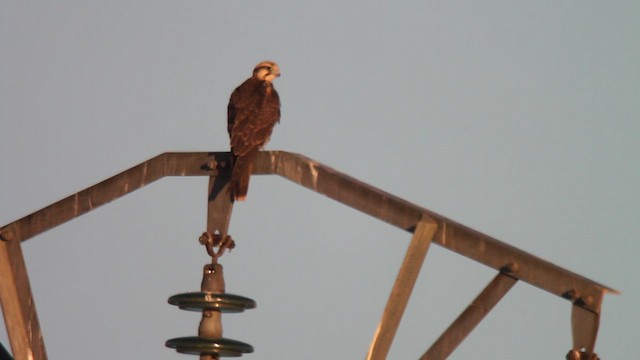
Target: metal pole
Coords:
[[219, 206]]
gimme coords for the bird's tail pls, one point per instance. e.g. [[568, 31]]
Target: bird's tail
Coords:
[[240, 176]]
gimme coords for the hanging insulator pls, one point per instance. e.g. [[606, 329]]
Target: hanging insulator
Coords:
[[212, 301]]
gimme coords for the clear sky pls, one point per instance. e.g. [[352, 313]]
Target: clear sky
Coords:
[[519, 119]]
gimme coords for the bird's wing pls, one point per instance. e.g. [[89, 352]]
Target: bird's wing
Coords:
[[255, 112]]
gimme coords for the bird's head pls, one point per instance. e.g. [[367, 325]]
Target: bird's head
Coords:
[[267, 71]]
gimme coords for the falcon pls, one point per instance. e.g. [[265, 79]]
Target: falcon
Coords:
[[253, 111]]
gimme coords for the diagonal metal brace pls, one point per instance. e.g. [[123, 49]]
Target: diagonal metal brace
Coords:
[[470, 318], [399, 297]]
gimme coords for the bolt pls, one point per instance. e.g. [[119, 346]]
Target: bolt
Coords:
[[511, 268], [212, 164], [586, 300], [205, 238], [571, 295], [6, 235]]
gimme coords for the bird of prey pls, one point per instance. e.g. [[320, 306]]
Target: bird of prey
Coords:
[[253, 111]]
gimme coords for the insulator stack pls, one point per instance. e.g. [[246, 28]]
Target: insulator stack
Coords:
[[212, 301]]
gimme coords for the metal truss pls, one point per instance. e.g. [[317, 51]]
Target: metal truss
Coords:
[[511, 264]]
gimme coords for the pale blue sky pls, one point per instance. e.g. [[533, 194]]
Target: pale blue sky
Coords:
[[519, 119]]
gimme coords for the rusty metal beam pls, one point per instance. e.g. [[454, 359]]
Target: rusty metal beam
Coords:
[[402, 288], [18, 307], [470, 318], [451, 235]]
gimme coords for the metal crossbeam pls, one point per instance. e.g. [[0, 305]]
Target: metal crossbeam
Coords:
[[585, 294]]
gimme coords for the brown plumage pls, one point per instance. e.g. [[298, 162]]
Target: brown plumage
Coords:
[[253, 111]]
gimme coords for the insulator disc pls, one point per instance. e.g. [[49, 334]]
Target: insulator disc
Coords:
[[200, 346], [198, 301]]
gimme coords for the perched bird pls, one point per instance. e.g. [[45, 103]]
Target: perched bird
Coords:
[[253, 111]]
